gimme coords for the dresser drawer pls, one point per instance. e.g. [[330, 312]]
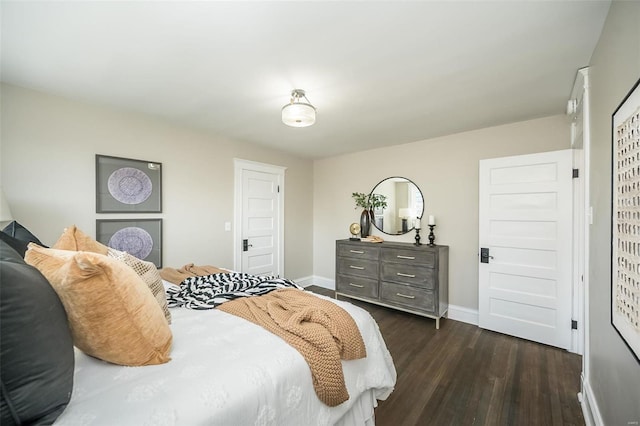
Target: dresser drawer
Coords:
[[359, 251], [358, 267], [398, 275], [409, 257], [418, 276], [357, 286], [408, 297]]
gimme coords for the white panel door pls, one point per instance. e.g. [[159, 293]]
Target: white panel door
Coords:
[[525, 209], [260, 222]]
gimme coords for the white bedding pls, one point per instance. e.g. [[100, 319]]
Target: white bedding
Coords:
[[227, 371]]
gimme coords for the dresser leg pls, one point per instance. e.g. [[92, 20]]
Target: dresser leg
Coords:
[[437, 323]]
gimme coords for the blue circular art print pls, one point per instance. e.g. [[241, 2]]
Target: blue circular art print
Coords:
[[129, 185], [135, 241]]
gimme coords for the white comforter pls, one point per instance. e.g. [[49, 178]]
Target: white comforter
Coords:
[[227, 371]]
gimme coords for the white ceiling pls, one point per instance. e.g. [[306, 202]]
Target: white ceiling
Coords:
[[379, 73]]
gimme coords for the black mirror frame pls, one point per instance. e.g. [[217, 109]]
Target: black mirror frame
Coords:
[[408, 180]]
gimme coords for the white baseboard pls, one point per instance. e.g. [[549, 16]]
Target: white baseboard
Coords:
[[319, 281], [590, 410], [304, 281], [462, 314]]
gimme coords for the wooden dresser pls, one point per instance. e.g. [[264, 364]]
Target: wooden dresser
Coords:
[[397, 275]]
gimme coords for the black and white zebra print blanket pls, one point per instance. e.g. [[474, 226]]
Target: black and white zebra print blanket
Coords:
[[209, 291]]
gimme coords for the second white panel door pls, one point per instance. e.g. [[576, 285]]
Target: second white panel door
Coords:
[[525, 275]]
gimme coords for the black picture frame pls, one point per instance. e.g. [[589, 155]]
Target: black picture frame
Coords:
[[125, 185], [141, 238], [625, 220]]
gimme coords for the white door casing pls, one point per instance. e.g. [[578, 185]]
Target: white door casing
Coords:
[[578, 111], [577, 287], [581, 137], [259, 218], [525, 214]]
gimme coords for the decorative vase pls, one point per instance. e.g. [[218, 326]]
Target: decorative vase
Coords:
[[365, 223]]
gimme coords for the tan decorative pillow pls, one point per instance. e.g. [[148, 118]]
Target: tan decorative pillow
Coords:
[[112, 314], [149, 274], [74, 239]]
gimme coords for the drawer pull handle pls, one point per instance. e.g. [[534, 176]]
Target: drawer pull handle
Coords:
[[405, 296], [400, 274], [356, 285], [356, 267], [356, 251], [406, 257]]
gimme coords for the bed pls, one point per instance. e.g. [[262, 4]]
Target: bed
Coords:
[[225, 370]]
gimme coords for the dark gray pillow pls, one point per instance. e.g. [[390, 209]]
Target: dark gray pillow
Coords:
[[36, 348], [16, 244], [21, 233]]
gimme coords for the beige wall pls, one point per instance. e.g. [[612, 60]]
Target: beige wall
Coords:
[[613, 374], [48, 167], [446, 171], [48, 143]]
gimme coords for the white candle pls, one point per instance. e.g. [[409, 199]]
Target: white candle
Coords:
[[432, 220], [417, 223]]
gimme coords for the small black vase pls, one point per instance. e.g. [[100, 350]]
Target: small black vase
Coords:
[[365, 223]]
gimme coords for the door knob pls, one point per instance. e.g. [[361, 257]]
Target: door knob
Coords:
[[484, 255]]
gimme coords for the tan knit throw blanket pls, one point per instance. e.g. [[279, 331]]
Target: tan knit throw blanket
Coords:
[[176, 276], [320, 330]]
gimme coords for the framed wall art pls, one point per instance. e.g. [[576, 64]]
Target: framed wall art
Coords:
[[124, 185], [141, 238], [625, 229]]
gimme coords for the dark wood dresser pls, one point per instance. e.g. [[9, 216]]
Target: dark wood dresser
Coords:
[[397, 275]]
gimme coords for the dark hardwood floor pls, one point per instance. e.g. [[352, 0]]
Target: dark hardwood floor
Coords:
[[463, 375]]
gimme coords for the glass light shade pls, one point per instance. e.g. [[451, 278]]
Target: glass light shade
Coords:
[[405, 213], [298, 114]]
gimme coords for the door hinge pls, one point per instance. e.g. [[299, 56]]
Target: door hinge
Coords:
[[576, 173], [574, 324], [278, 189]]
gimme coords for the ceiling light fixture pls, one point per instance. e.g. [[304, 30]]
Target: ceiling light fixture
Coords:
[[297, 113]]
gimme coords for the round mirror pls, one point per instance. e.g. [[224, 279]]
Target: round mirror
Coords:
[[404, 203]]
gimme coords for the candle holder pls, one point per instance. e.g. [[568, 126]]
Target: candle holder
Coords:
[[417, 237], [432, 237]]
